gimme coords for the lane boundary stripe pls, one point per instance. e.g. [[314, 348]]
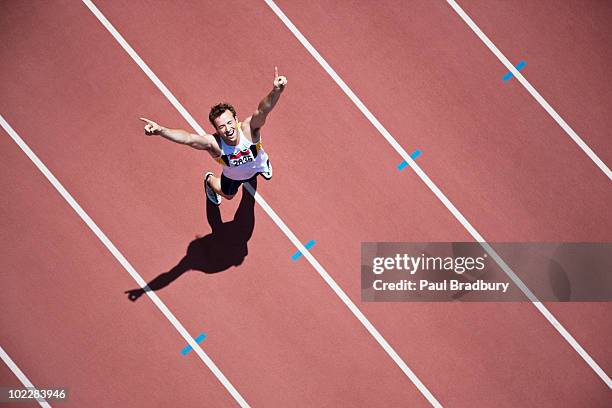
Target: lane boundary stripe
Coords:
[[21, 376], [322, 272], [434, 188], [536, 95], [122, 260], [345, 299]]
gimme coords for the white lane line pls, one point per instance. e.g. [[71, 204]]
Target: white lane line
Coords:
[[20, 375], [122, 260], [434, 188], [536, 95], [322, 272], [344, 297]]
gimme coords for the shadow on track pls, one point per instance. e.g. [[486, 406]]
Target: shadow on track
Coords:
[[226, 246]]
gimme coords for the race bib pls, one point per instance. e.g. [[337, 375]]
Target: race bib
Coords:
[[241, 157]]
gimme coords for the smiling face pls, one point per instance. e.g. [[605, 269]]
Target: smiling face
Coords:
[[227, 127]]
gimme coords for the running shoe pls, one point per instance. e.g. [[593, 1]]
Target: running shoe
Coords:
[[268, 173], [210, 193]]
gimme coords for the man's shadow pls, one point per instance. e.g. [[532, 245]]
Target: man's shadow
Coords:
[[226, 246]]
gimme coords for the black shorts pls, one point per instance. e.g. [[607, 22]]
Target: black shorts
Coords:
[[230, 187]]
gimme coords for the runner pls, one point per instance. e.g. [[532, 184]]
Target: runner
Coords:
[[235, 145]]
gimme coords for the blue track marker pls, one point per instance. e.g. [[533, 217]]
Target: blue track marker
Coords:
[[403, 164], [297, 255], [198, 340], [518, 66]]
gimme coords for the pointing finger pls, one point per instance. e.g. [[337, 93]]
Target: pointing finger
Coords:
[[275, 72], [146, 120]]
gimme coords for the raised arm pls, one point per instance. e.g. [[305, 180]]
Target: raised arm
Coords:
[[177, 135], [267, 104]]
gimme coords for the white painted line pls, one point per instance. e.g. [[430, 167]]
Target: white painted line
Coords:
[[22, 377], [123, 261], [536, 95], [328, 279], [434, 188], [92, 7], [344, 297]]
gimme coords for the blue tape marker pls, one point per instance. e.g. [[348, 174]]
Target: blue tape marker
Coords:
[[198, 340], [518, 66], [403, 164], [297, 255]]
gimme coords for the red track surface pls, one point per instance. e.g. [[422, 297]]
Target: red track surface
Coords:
[[273, 326]]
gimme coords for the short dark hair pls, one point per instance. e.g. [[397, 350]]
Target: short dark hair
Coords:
[[218, 110]]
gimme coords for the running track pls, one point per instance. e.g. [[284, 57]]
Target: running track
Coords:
[[278, 333]]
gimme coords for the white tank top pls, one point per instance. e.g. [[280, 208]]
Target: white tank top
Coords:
[[243, 161]]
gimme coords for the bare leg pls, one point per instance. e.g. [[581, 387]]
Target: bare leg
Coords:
[[215, 183]]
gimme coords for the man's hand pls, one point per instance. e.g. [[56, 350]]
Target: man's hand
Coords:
[[266, 105], [151, 128], [201, 142], [279, 80]]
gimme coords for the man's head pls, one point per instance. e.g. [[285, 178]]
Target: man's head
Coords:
[[223, 117]]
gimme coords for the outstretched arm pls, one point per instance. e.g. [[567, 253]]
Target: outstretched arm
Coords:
[[176, 135], [267, 104]]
